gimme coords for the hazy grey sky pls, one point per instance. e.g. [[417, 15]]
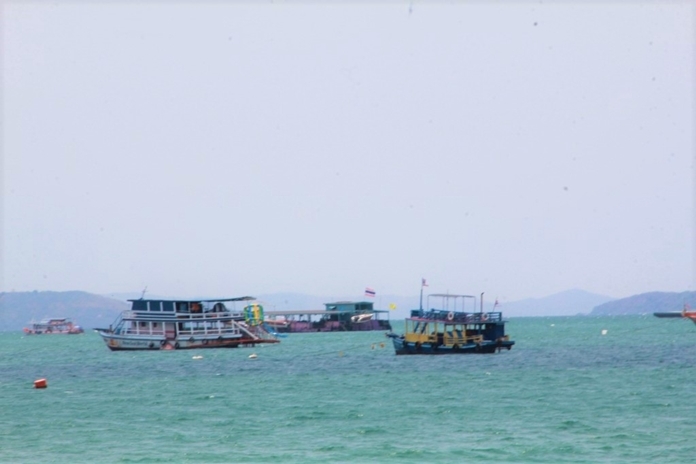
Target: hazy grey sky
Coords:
[[220, 149]]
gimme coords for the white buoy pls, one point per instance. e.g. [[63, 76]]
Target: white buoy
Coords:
[[198, 357], [252, 356], [604, 331]]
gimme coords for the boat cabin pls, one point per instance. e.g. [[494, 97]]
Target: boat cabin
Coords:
[[175, 318], [184, 306], [345, 310]]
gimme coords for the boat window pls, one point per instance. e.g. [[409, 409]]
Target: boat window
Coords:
[[139, 305], [155, 306], [168, 306], [182, 307]]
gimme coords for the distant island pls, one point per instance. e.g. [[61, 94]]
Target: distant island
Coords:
[[90, 311], [85, 309], [646, 303]]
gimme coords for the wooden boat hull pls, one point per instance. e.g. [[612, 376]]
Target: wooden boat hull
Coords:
[[486, 347]]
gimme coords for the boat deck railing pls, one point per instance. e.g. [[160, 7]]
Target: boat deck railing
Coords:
[[203, 331], [169, 325], [456, 316]]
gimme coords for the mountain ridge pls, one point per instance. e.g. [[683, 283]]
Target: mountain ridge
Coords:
[[646, 303], [89, 310]]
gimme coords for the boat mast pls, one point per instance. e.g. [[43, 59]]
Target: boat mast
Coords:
[[482, 302]]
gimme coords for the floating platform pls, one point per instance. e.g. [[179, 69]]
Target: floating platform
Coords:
[[340, 316]]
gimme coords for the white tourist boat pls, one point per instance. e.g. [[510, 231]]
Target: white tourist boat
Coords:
[[53, 326], [186, 324]]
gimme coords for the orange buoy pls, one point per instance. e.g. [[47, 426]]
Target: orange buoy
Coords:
[[41, 383]]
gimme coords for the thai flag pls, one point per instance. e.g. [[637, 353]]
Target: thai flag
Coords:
[[424, 283], [370, 292]]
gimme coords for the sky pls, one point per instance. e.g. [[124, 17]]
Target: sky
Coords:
[[232, 148]]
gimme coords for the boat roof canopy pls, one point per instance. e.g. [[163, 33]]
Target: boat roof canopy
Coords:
[[350, 303], [449, 295], [214, 300]]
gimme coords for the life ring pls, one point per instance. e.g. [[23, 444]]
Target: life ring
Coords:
[[484, 317], [192, 339], [455, 347], [205, 341], [450, 316], [163, 342], [151, 345], [176, 345]]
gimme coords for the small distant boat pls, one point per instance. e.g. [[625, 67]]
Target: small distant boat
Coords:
[[669, 314], [452, 331], [187, 324], [361, 318], [60, 326]]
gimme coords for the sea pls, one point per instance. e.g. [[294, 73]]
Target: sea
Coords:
[[572, 389]]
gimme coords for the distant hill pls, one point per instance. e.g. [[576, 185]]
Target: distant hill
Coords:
[[90, 311], [568, 303], [646, 303], [17, 309]]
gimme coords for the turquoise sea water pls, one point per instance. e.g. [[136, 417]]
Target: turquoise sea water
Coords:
[[564, 393]]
